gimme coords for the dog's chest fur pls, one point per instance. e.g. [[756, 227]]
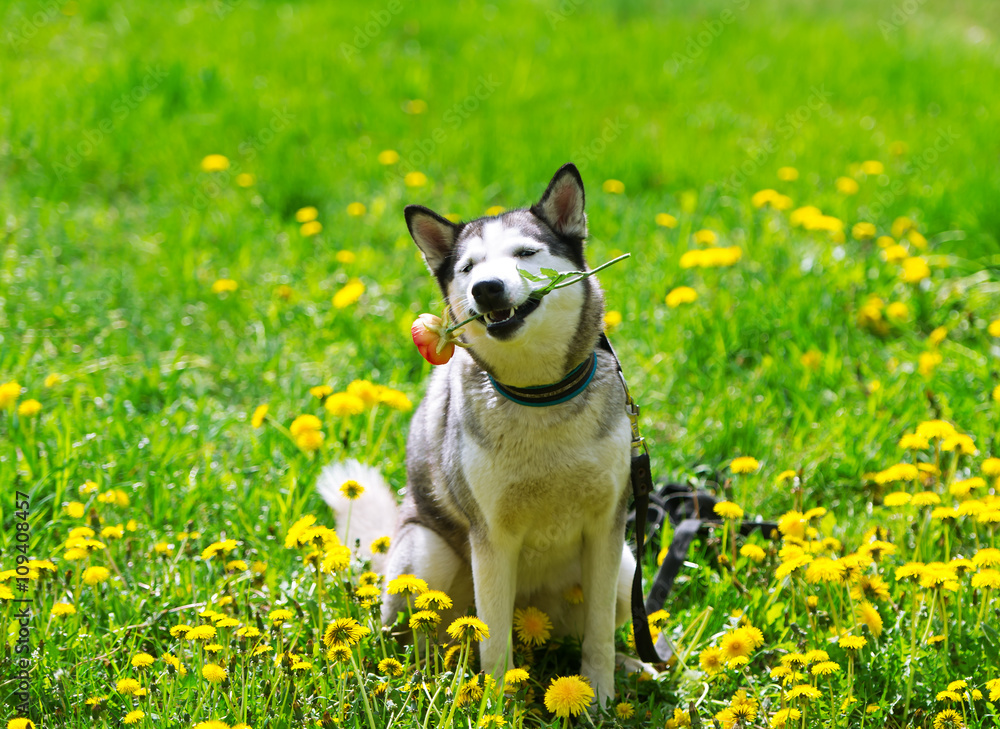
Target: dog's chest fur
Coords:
[[541, 475]]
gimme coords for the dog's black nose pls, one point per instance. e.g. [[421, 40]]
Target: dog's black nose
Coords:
[[490, 295]]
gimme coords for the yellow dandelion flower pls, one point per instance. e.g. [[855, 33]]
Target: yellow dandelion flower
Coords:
[[215, 163], [214, 673], [898, 311], [313, 227], [805, 691], [320, 391], [792, 524], [133, 717], [468, 628], [869, 615], [142, 660], [846, 186], [61, 609], [127, 686], [304, 423], [614, 187], [349, 294], [515, 677], [406, 584], [96, 575], [986, 579], [343, 404], [344, 630], [915, 269], [853, 642], [424, 620], [306, 214], [710, 661], [784, 717], [568, 695], [863, 231], [612, 320], [469, 692], [736, 643], [788, 174], [728, 510], [390, 667], [913, 441], [681, 295], [356, 209], [897, 498], [825, 668], [872, 167], [869, 588], [351, 489], [960, 443], [433, 599], [388, 157], [380, 545], [9, 392], [200, 632], [706, 237], [29, 408], [573, 595], [824, 569], [744, 464], [224, 286], [415, 179], [948, 719], [532, 626], [666, 220], [395, 399]]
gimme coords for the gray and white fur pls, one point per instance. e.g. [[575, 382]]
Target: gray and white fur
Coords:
[[507, 505]]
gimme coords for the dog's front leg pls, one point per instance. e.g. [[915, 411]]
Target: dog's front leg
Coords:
[[602, 557], [494, 573]]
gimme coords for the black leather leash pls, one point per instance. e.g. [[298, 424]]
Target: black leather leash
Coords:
[[690, 524], [642, 487]]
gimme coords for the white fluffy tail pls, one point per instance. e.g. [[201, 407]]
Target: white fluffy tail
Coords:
[[372, 515]]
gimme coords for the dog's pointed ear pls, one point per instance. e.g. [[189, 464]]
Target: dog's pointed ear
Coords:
[[435, 236], [562, 204]]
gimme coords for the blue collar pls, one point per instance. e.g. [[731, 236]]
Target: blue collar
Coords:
[[558, 392]]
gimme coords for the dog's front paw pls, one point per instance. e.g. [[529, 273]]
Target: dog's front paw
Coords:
[[601, 676]]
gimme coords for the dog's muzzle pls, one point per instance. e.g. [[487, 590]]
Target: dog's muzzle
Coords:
[[490, 295]]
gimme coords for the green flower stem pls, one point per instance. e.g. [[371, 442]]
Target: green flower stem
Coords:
[[364, 694]]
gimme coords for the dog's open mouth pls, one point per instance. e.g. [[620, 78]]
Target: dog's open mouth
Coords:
[[504, 321]]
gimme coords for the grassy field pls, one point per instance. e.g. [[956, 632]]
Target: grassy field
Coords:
[[162, 280]]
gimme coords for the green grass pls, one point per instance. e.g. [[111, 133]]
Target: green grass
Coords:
[[113, 237]]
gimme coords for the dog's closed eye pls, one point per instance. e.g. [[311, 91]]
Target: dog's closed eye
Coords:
[[525, 253]]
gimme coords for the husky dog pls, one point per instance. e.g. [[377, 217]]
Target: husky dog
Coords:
[[518, 457]]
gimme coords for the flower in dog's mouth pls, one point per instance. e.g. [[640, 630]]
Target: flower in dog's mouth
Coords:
[[436, 337]]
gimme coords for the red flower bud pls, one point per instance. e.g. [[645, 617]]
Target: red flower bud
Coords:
[[433, 341]]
